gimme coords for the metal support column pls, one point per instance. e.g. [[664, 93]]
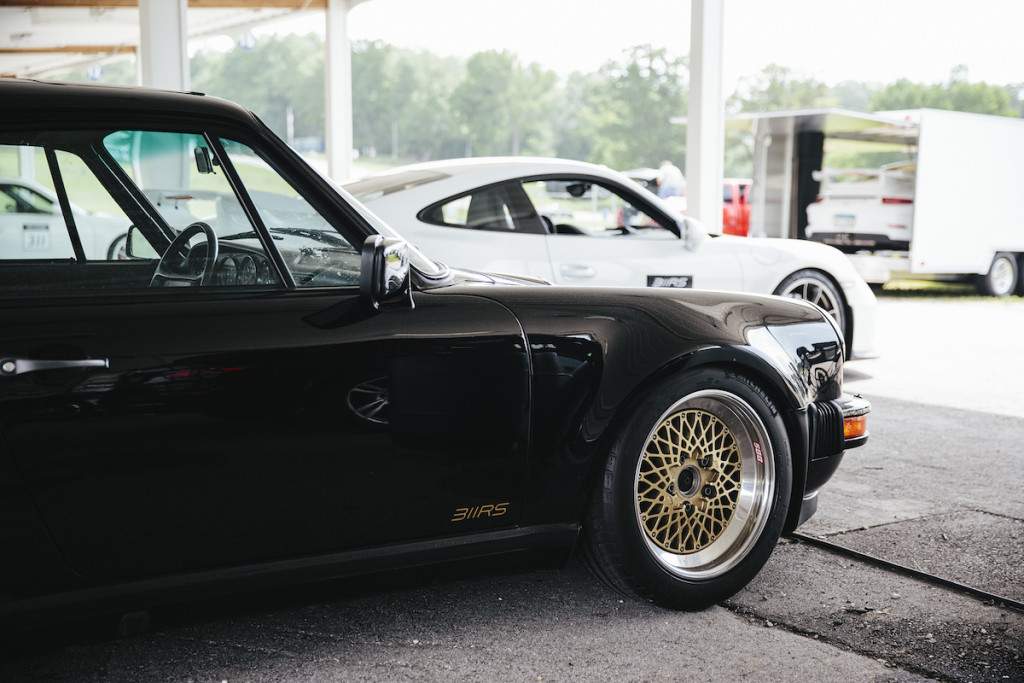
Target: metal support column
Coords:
[[163, 44], [705, 132], [339, 90]]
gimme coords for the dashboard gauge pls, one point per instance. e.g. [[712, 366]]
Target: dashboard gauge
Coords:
[[246, 271], [227, 272], [266, 275]]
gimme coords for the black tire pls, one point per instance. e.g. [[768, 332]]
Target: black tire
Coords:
[[1020, 279], [1002, 277], [694, 493], [816, 287]]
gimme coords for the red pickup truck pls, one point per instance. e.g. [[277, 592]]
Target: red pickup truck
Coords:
[[736, 206], [735, 199]]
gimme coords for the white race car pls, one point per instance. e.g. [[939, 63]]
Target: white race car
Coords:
[[574, 223], [32, 225], [864, 208]]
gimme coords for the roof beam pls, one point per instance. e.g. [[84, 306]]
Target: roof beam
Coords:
[[195, 4], [70, 49]]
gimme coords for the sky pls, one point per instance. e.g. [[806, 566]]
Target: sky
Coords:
[[875, 41]]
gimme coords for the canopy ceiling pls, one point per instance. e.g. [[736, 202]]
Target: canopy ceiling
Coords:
[[889, 127], [39, 37]]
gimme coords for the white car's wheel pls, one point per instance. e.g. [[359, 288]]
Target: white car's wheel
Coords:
[[814, 286], [117, 249]]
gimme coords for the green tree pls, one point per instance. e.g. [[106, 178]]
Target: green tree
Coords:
[[372, 102], [426, 127], [280, 78], [1015, 91], [777, 88], [632, 103], [853, 95], [119, 72], [400, 102], [957, 94], [502, 106], [576, 116]]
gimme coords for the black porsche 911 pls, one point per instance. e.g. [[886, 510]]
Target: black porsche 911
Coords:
[[263, 385]]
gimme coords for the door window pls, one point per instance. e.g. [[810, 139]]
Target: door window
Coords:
[[108, 211], [499, 208], [576, 206]]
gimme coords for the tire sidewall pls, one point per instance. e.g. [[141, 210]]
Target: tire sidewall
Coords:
[[648, 578], [987, 283], [833, 288]]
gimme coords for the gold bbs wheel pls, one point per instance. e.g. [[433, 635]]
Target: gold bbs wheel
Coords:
[[704, 484]]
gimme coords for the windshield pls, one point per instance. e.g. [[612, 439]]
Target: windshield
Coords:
[[423, 263]]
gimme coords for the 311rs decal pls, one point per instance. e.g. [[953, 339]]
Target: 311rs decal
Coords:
[[480, 511], [676, 281]]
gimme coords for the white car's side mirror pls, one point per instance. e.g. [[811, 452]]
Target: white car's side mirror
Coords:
[[693, 232]]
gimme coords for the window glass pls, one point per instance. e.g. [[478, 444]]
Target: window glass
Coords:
[[17, 198], [582, 207], [314, 252], [455, 212], [33, 225], [501, 208], [180, 177], [152, 208], [184, 183]]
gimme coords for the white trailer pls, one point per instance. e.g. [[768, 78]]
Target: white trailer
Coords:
[[968, 193]]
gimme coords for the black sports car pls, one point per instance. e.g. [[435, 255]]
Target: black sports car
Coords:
[[264, 385]]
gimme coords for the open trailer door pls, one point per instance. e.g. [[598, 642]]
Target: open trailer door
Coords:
[[967, 205]]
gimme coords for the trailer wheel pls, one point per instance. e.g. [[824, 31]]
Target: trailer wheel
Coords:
[[1002, 276]]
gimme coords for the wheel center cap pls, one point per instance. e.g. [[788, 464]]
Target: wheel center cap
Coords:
[[688, 482]]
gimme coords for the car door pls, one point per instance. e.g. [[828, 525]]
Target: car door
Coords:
[[602, 234], [268, 413]]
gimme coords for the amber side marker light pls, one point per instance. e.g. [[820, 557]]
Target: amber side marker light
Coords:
[[855, 427]]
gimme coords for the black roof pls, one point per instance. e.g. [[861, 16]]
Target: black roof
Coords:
[[48, 98]]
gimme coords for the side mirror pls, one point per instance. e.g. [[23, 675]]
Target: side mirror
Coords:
[[137, 246], [694, 233], [384, 276]]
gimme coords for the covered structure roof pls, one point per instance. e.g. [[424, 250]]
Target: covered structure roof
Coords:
[[40, 37], [892, 127]]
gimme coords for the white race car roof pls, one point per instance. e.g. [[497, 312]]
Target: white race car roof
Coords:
[[449, 177]]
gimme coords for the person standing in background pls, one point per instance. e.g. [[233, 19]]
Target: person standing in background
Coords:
[[671, 182]]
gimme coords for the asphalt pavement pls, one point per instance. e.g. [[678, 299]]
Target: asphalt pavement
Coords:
[[938, 489]]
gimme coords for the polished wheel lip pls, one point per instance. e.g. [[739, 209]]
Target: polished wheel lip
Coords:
[[756, 488], [813, 290]]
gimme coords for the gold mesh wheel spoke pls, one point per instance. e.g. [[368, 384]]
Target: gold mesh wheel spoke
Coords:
[[704, 484], [696, 450]]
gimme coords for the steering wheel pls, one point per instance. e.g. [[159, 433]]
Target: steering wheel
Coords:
[[174, 267]]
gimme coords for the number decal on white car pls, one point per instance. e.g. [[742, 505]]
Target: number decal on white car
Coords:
[[676, 281]]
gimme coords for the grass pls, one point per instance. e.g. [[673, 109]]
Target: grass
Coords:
[[923, 289]]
